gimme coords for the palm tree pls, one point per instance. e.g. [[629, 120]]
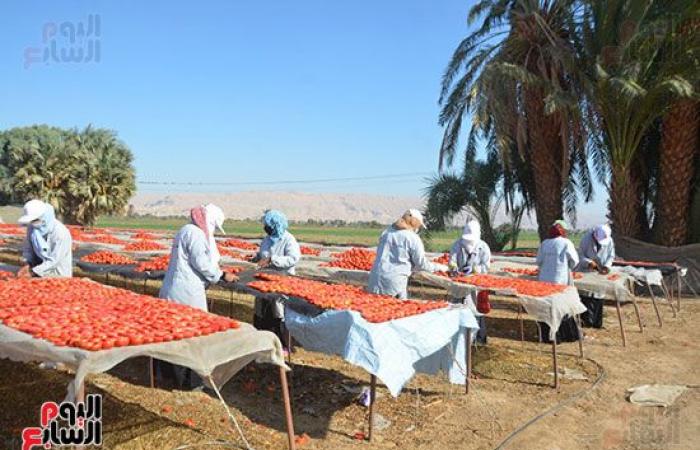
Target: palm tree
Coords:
[[630, 81], [478, 191], [511, 76]]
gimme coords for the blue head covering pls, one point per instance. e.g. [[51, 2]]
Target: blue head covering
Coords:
[[38, 233], [277, 222]]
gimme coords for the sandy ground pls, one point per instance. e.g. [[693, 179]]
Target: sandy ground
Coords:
[[511, 386]]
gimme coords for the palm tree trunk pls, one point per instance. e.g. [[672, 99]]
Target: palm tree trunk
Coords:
[[625, 205], [679, 146], [545, 156]]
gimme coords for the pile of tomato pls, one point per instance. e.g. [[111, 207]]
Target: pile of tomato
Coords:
[[310, 251], [145, 236], [354, 258], [6, 275], [106, 257], [521, 286], [156, 264], [223, 251], [525, 271], [443, 259], [233, 269], [76, 312], [374, 308], [101, 238], [9, 228], [238, 243], [144, 246]]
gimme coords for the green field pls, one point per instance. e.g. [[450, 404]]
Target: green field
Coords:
[[322, 234]]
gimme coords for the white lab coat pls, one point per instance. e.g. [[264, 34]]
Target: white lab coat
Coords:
[[603, 256], [399, 253], [478, 260], [284, 254], [555, 259], [59, 262], [191, 269]]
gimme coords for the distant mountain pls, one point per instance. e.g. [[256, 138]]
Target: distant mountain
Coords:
[[296, 205], [302, 206]]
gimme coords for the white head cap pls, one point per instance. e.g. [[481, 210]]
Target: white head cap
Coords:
[[215, 217], [33, 210], [471, 231], [602, 234], [417, 215]]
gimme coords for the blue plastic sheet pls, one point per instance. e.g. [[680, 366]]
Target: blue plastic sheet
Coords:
[[393, 351]]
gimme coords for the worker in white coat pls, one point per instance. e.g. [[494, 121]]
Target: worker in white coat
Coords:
[[469, 254], [194, 259], [399, 253], [47, 249], [557, 256], [597, 250], [279, 251], [194, 265]]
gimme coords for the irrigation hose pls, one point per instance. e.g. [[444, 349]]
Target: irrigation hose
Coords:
[[558, 406]]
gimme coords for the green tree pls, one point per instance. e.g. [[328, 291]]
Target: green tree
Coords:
[[511, 77], [633, 68], [83, 174]]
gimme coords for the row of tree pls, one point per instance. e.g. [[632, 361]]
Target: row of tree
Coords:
[[565, 91], [82, 173]]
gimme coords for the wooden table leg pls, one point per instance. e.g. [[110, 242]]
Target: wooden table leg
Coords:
[[372, 395], [287, 408], [669, 297], [636, 311], [554, 359], [468, 360], [522, 326], [80, 398], [656, 308], [580, 335], [680, 289], [622, 327], [151, 372]]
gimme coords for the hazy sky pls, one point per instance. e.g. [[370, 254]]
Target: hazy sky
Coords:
[[244, 91]]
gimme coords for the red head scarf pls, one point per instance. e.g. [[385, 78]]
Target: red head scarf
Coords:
[[199, 218], [556, 231]]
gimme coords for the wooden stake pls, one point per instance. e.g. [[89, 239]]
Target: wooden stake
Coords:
[[468, 360], [619, 318], [287, 408], [580, 335], [636, 311], [372, 394]]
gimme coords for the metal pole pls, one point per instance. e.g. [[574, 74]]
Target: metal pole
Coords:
[[287, 409], [619, 318], [372, 394]]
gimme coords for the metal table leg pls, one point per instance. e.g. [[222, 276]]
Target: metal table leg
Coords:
[[622, 327], [554, 360], [656, 308]]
